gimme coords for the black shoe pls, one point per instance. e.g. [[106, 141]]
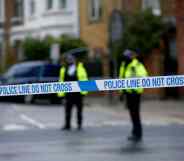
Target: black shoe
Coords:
[[65, 128], [134, 138]]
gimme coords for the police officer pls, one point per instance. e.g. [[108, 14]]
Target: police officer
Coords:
[[73, 70], [131, 67]]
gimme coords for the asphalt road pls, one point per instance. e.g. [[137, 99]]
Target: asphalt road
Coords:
[[32, 133]]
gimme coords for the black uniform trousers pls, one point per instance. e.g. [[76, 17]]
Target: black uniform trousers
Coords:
[[133, 105], [71, 100]]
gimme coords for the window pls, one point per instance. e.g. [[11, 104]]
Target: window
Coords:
[[32, 7], [51, 71], [50, 4], [1, 10], [23, 71], [95, 10], [26, 73], [153, 4], [62, 3], [18, 12]]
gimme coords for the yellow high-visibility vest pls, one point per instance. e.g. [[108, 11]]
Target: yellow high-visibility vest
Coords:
[[81, 76], [133, 70]]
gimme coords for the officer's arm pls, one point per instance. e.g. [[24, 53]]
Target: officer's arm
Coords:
[[121, 71], [61, 74], [143, 71], [84, 75], [61, 79]]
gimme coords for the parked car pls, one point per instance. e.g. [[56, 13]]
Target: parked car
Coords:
[[31, 72]]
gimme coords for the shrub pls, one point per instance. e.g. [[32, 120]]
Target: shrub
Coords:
[[35, 49]]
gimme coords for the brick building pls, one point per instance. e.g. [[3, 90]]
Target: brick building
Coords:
[[180, 34], [96, 17], [94, 26], [179, 12], [98, 27], [164, 61]]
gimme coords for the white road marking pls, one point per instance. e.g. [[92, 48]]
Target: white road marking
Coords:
[[18, 127], [14, 127], [29, 119], [32, 121], [51, 125]]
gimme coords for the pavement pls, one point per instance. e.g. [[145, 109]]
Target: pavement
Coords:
[[153, 111], [32, 132]]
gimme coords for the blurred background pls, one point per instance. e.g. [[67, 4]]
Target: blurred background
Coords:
[[43, 30], [34, 34]]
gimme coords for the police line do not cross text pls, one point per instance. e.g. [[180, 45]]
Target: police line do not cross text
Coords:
[[92, 85]]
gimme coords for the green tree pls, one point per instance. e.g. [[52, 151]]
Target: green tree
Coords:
[[36, 49], [142, 31]]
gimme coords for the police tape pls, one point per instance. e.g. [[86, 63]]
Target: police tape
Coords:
[[92, 85]]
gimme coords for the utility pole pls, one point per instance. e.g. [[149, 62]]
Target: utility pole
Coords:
[[7, 29]]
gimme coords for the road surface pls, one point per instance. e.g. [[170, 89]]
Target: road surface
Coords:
[[32, 133]]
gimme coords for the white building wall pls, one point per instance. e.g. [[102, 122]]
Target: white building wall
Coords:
[[53, 22], [2, 11]]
